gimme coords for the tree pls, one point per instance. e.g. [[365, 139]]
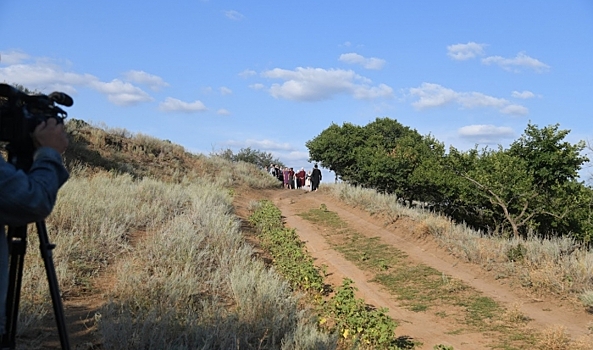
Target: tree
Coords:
[[550, 160], [248, 155], [554, 165], [504, 182], [335, 149], [532, 186]]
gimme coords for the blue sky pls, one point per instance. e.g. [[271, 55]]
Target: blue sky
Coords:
[[271, 75]]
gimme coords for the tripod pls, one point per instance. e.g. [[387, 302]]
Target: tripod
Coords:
[[17, 243]]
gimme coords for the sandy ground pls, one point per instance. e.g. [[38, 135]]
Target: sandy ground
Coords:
[[423, 326]]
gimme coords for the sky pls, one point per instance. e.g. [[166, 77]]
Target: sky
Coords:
[[272, 75]]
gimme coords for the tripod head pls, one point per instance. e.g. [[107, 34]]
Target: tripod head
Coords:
[[20, 113]]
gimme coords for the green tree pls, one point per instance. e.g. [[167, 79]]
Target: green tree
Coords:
[[554, 165], [504, 193], [260, 158], [360, 155], [335, 149], [421, 172]]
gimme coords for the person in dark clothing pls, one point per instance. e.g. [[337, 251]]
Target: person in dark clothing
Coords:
[[315, 178], [30, 197], [279, 175], [291, 178]]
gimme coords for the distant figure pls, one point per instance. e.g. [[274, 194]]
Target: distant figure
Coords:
[[301, 178], [315, 178], [285, 177], [279, 175], [291, 178]]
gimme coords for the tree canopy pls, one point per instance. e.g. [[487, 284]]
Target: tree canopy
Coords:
[[531, 187]]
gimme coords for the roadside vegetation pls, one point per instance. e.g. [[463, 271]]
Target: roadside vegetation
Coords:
[[148, 233], [560, 266], [339, 312]]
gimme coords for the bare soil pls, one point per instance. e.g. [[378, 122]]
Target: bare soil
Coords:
[[407, 236]]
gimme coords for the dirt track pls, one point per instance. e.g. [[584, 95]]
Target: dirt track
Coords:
[[423, 326]]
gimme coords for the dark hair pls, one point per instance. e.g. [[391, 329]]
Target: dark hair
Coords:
[[315, 165]]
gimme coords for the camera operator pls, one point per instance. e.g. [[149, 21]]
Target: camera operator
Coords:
[[30, 197]]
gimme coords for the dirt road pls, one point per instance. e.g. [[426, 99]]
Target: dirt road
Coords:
[[425, 327]]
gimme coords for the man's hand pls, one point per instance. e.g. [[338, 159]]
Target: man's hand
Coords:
[[51, 134]]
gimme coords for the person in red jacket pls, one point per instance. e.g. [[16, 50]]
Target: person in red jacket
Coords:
[[301, 178]]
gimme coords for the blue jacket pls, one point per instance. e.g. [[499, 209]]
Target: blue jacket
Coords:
[[30, 197]]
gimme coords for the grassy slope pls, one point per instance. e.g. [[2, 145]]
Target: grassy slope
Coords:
[[147, 231]]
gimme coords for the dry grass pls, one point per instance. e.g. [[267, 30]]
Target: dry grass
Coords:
[[555, 266], [556, 338], [545, 266], [148, 230], [119, 151]]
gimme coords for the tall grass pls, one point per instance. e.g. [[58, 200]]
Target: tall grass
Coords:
[[545, 265], [178, 272]]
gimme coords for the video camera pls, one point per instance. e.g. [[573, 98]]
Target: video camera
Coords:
[[20, 112]]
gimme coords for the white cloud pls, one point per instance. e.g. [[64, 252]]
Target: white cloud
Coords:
[[247, 73], [478, 99], [223, 111], [225, 90], [298, 157], [462, 52], [316, 84], [234, 15], [371, 93], [434, 95], [523, 94], [140, 77], [515, 110], [267, 145], [368, 63], [486, 133], [174, 105], [519, 61], [45, 75], [257, 86], [13, 57], [121, 93]]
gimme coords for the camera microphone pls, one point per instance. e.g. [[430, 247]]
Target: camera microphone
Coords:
[[61, 98]]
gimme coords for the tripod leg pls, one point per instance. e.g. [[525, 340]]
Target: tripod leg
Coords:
[[17, 242], [46, 254]]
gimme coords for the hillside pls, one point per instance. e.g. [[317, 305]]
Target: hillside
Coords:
[[514, 316]]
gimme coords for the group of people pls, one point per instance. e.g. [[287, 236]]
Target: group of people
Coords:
[[290, 179]]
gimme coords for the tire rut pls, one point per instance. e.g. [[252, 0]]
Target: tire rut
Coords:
[[424, 327]]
